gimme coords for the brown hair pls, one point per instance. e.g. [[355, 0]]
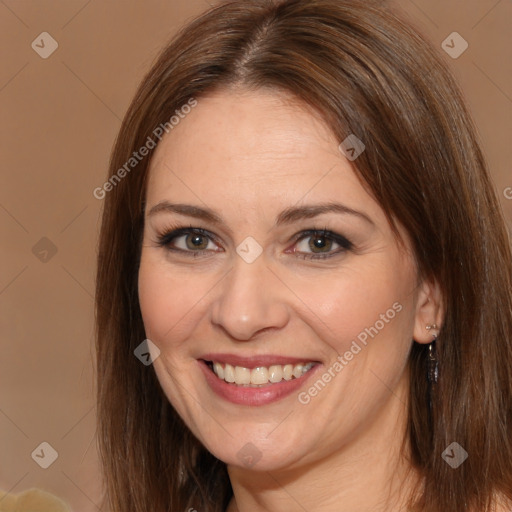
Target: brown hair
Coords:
[[368, 73]]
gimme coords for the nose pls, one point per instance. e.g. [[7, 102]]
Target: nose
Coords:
[[250, 300]]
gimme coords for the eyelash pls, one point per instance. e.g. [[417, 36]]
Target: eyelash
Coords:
[[166, 237]]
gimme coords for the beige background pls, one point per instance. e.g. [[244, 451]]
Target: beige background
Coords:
[[59, 119]]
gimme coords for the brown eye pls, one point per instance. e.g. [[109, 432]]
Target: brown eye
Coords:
[[320, 244], [193, 241], [196, 241]]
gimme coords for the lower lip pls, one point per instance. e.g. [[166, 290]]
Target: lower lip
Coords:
[[246, 395]]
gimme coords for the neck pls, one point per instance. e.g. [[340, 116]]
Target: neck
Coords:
[[370, 472]]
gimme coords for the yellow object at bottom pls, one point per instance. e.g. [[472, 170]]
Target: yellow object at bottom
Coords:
[[33, 500]]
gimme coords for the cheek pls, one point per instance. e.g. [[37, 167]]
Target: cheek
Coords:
[[343, 305], [366, 317], [168, 301]]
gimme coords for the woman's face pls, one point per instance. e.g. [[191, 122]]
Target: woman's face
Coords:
[[291, 280]]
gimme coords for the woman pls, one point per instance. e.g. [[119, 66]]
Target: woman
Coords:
[[301, 236]]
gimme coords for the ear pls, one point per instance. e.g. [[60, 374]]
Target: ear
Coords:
[[429, 311]]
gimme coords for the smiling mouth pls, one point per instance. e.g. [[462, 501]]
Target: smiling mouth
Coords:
[[259, 376]]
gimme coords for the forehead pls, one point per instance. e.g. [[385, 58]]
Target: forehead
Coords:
[[253, 148]]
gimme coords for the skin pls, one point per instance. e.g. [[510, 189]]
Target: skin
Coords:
[[248, 155]]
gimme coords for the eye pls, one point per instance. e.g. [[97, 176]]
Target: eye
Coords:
[[188, 240], [320, 243], [310, 244]]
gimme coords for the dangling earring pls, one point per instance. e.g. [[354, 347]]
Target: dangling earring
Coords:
[[433, 366]]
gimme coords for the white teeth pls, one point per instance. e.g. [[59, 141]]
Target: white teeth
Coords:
[[242, 375], [275, 373], [219, 370], [297, 370], [261, 375], [229, 373]]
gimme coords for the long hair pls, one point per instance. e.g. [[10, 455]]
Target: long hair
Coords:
[[367, 73]]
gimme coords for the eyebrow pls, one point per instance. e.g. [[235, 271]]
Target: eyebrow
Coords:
[[287, 216]]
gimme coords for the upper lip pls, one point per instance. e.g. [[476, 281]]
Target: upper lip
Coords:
[[254, 361]]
